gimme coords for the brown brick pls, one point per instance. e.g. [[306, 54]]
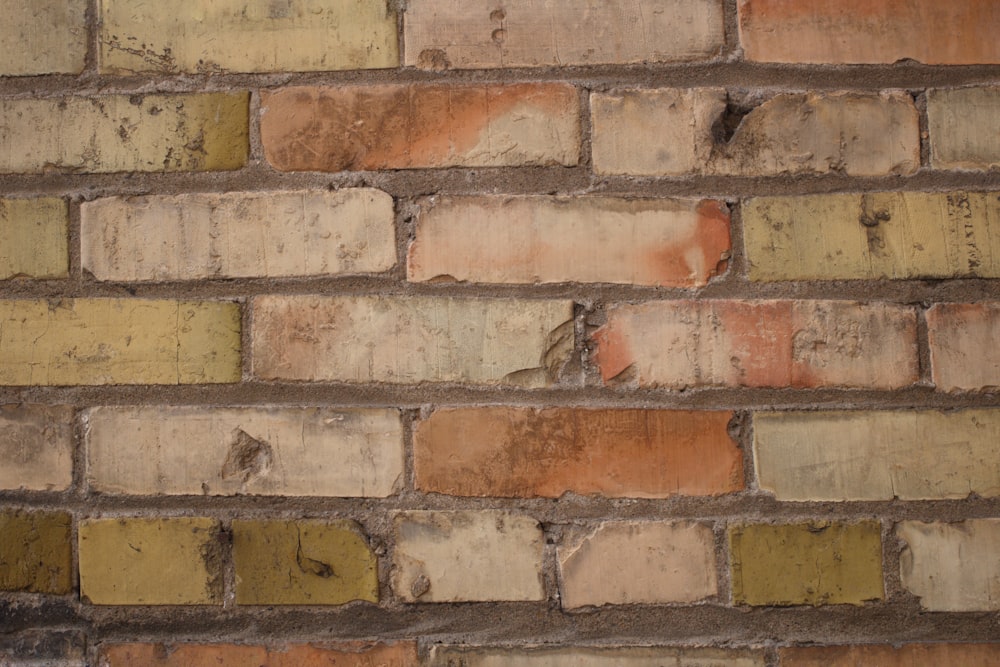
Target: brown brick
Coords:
[[963, 340], [681, 344], [623, 656], [503, 239], [908, 655], [43, 647], [524, 452], [36, 447], [36, 553], [43, 37], [420, 125], [34, 238], [315, 654], [956, 32], [964, 126]]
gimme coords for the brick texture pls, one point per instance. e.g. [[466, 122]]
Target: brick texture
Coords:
[[34, 238], [963, 126], [446, 656], [43, 37], [909, 655], [315, 654], [36, 447], [964, 354], [35, 552]]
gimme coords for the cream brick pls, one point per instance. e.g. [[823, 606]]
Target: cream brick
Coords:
[[36, 447], [43, 37], [964, 127], [33, 238], [963, 343], [447, 656]]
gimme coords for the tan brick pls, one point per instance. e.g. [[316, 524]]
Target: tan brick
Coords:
[[34, 238], [956, 32], [446, 656], [36, 553], [118, 341], [114, 133], [655, 562], [467, 555], [814, 563], [441, 34], [964, 126], [952, 567], [875, 236], [410, 339], [524, 452], [43, 646], [878, 455], [267, 451], [238, 235], [43, 37], [302, 562], [670, 132], [314, 654], [493, 239], [908, 655], [36, 447], [681, 344], [963, 341], [132, 560], [231, 35], [420, 125]]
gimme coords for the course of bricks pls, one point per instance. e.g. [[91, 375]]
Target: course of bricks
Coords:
[[424, 332]]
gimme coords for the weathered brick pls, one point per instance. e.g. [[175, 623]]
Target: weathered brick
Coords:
[[964, 127], [302, 562], [873, 236], [655, 562], [952, 567], [956, 32], [495, 239], [36, 554], [963, 341], [673, 132], [447, 656], [524, 452], [269, 451], [36, 447], [441, 34], [314, 654], [420, 125], [814, 563], [684, 343], [43, 647], [118, 341], [113, 133], [230, 35], [238, 235], [133, 560], [908, 655], [34, 238], [467, 555], [878, 455], [410, 339], [43, 37]]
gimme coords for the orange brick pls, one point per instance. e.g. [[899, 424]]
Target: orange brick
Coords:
[[963, 340], [347, 654], [910, 655]]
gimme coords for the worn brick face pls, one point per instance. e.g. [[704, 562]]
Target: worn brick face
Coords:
[[36, 447], [34, 238], [35, 552], [43, 37], [314, 654], [908, 655], [447, 656], [964, 127], [963, 341]]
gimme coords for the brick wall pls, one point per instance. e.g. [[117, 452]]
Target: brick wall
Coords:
[[338, 332]]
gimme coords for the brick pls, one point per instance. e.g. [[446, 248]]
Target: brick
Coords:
[[908, 655], [494, 239], [229, 35], [894, 235], [238, 235], [964, 127], [467, 556], [655, 562], [952, 567], [43, 37], [36, 447], [420, 125], [410, 339], [815, 563], [441, 34], [115, 133], [860, 31], [680, 344], [302, 562], [672, 132], [36, 554], [34, 238], [118, 341], [878, 455], [267, 451], [43, 647], [447, 656], [524, 452], [315, 654], [963, 341], [165, 561]]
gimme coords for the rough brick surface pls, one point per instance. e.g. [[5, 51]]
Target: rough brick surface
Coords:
[[678, 243], [447, 656], [316, 654], [34, 238], [229, 35], [420, 125], [673, 132], [36, 447], [43, 37], [440, 34], [522, 452], [238, 235], [908, 655], [964, 127], [43, 647], [655, 562], [35, 552], [963, 341], [269, 451], [681, 344], [114, 133]]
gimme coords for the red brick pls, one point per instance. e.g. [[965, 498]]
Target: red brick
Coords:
[[348, 654], [963, 340], [909, 655]]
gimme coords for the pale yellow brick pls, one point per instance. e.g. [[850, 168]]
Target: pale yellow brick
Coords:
[[446, 656], [36, 447], [43, 37], [964, 127], [963, 343], [238, 235], [33, 238]]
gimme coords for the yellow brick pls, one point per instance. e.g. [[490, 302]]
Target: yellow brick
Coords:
[[43, 37], [33, 238], [964, 128], [443, 655]]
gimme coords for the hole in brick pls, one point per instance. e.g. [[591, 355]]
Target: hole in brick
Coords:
[[725, 125]]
